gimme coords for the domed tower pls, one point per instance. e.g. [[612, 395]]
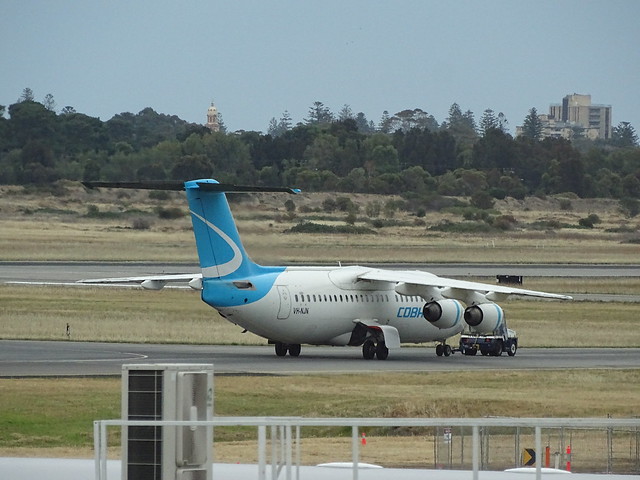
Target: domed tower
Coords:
[[212, 119]]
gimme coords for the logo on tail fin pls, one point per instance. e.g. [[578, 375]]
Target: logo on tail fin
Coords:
[[226, 268]]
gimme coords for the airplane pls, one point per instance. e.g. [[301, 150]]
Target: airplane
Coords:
[[376, 309]]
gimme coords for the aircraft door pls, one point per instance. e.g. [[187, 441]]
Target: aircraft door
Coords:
[[285, 302]]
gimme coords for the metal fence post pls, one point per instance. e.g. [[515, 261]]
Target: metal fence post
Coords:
[[476, 452], [538, 453], [262, 452], [355, 451]]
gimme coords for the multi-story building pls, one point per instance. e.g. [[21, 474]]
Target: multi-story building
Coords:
[[576, 116]]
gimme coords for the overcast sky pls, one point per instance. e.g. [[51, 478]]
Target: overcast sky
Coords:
[[256, 59]]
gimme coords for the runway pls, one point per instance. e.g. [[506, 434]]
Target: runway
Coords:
[[57, 272], [46, 358]]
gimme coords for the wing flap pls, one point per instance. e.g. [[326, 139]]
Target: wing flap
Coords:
[[425, 279]]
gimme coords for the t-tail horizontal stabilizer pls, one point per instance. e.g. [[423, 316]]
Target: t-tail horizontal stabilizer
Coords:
[[177, 186]]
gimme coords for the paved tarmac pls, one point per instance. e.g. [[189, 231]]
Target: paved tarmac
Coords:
[[67, 273], [20, 358], [73, 271]]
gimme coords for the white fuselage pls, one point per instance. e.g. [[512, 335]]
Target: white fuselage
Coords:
[[322, 306]]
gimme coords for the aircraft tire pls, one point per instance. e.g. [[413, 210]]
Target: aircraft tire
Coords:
[[382, 352], [439, 350], [447, 350], [281, 349], [368, 350], [294, 349]]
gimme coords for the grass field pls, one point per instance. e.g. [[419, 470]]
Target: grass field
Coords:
[[179, 316], [60, 424], [99, 225]]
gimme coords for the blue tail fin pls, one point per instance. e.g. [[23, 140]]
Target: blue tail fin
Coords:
[[219, 247]]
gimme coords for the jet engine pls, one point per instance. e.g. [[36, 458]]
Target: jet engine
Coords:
[[443, 313], [484, 318]]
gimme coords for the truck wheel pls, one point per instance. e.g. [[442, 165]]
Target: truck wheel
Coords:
[[470, 351], [512, 349]]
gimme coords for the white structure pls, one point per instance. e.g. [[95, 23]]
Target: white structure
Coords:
[[167, 392], [213, 123], [576, 115]]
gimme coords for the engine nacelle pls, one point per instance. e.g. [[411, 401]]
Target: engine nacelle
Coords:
[[443, 313], [484, 318]]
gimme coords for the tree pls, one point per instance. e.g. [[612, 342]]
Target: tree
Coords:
[[532, 126], [462, 126], [624, 135], [364, 126], [409, 119], [385, 123], [49, 103], [319, 114], [27, 95], [31, 121], [277, 128], [488, 121], [67, 110], [346, 113]]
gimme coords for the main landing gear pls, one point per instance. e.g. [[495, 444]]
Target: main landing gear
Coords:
[[293, 349], [372, 349], [443, 349]]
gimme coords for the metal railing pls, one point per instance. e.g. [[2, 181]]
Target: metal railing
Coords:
[[282, 435]]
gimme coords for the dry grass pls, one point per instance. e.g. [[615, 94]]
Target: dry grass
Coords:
[[179, 316], [43, 227], [114, 315]]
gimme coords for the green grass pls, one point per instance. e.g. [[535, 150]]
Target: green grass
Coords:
[[29, 418], [54, 412]]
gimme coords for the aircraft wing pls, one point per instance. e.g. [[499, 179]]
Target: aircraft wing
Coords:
[[417, 281], [151, 282]]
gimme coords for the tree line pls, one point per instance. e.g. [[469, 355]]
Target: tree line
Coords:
[[407, 153]]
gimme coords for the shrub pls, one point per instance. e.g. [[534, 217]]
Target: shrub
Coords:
[[290, 206], [589, 221], [329, 205], [140, 223], [482, 200], [504, 222], [170, 213], [565, 204], [159, 195], [310, 227]]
